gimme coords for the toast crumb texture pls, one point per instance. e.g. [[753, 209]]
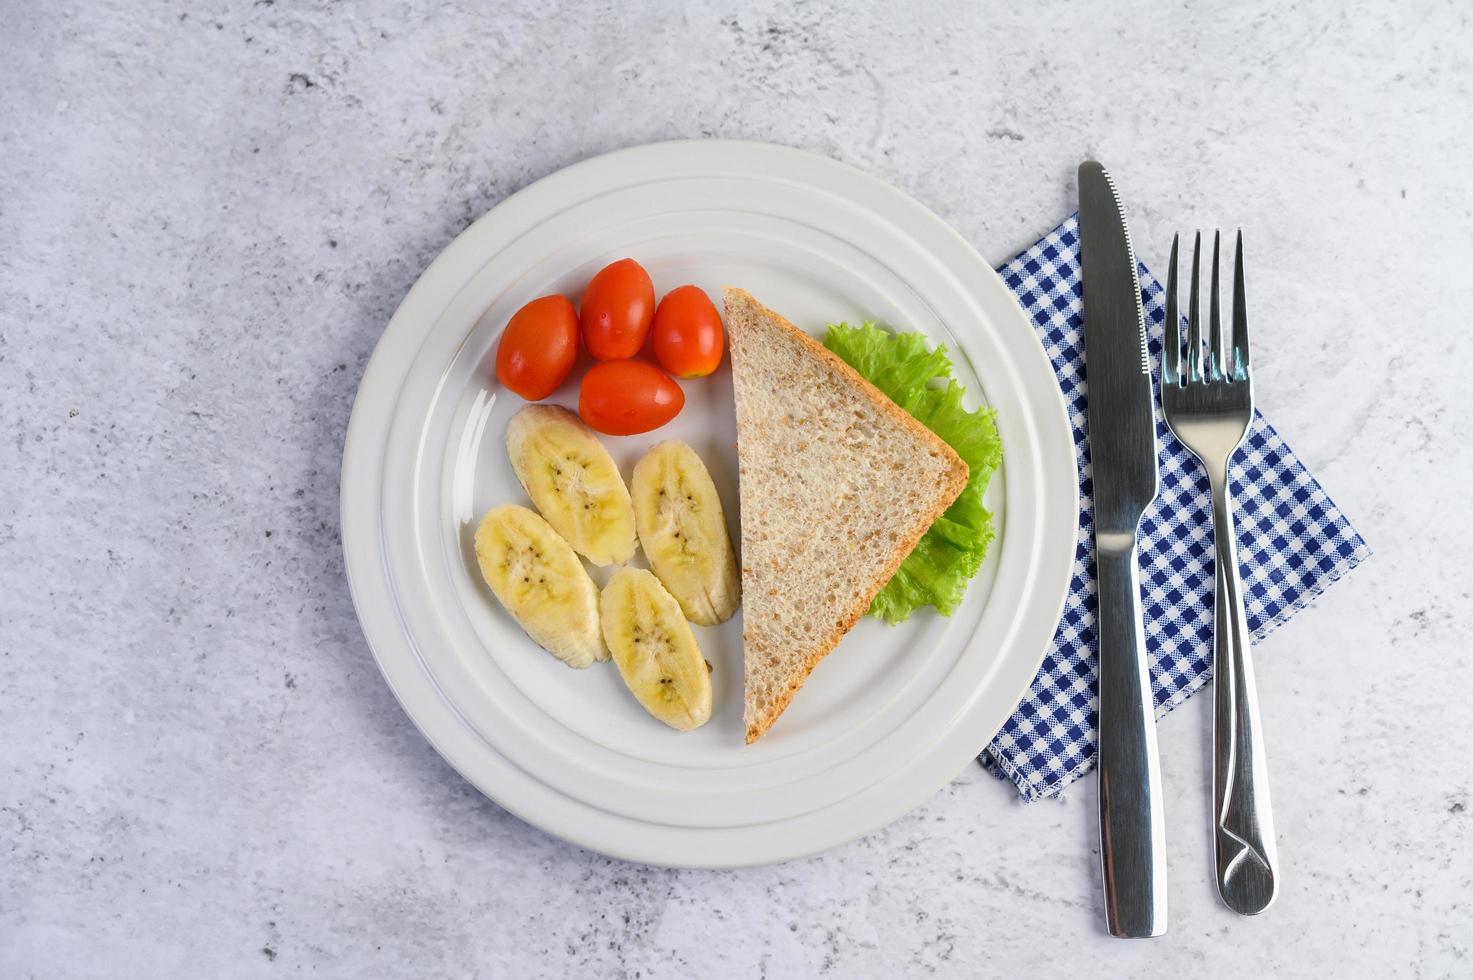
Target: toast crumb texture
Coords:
[[838, 484]]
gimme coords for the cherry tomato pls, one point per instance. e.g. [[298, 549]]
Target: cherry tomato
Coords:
[[621, 398], [687, 335], [538, 347], [618, 306]]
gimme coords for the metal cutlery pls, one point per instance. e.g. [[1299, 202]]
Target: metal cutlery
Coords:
[[1122, 438], [1207, 397]]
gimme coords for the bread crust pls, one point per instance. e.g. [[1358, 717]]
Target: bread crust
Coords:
[[955, 480]]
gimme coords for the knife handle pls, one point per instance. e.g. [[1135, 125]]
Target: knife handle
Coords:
[[1132, 832]]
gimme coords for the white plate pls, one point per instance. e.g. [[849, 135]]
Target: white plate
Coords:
[[893, 713]]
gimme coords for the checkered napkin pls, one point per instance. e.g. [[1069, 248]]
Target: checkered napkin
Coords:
[[1293, 541]]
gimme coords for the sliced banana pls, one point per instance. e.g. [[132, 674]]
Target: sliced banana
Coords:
[[682, 529], [655, 650], [541, 583], [573, 481]]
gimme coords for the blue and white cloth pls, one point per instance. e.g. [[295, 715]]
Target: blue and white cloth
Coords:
[[1293, 541]]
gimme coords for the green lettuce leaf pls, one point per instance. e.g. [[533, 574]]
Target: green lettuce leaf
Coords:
[[918, 378]]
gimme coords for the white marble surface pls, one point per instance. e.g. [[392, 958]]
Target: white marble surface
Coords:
[[209, 210]]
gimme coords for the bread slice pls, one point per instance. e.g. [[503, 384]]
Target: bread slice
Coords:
[[838, 483]]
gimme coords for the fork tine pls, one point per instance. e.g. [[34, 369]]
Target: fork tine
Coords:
[[1171, 348], [1194, 323], [1240, 317], [1214, 369]]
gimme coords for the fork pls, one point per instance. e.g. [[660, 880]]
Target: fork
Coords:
[[1208, 403]]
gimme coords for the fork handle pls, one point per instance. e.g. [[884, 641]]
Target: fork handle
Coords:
[[1243, 827], [1132, 834]]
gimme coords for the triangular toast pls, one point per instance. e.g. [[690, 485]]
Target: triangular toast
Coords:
[[838, 483]]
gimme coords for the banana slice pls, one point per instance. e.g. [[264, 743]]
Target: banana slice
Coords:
[[678, 514], [541, 583], [573, 481], [654, 649]]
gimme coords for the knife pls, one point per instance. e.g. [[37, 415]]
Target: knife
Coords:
[[1122, 445]]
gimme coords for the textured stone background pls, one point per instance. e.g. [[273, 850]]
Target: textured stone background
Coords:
[[208, 212]]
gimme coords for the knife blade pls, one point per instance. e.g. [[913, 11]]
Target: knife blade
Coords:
[[1122, 443]]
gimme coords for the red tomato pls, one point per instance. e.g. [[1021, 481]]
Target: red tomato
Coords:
[[687, 335], [618, 306], [621, 398], [538, 347]]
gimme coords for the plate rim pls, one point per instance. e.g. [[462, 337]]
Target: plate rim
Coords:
[[745, 846]]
